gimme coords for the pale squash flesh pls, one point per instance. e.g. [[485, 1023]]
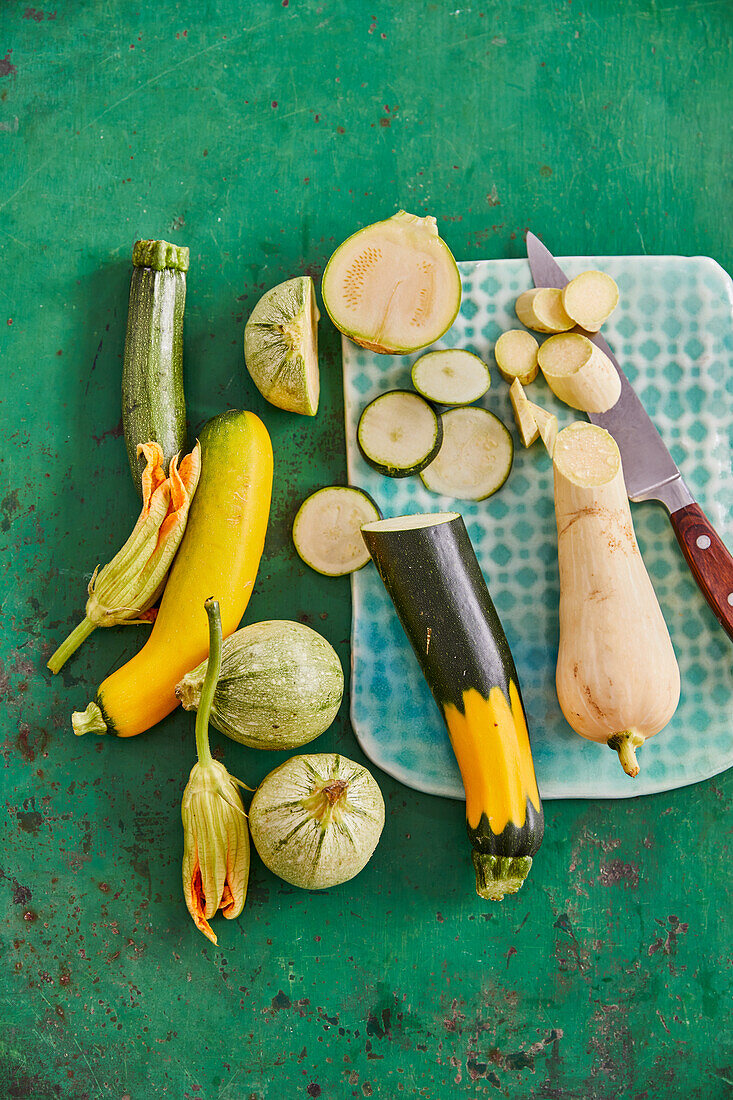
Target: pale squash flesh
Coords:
[[617, 677]]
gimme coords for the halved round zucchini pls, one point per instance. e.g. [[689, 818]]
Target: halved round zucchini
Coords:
[[327, 529], [399, 433], [451, 377], [281, 346], [394, 286], [475, 457]]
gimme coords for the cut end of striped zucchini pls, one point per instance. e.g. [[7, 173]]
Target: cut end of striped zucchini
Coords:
[[586, 455], [411, 523], [327, 529], [394, 286], [281, 346], [399, 433], [497, 876], [475, 456], [451, 377]]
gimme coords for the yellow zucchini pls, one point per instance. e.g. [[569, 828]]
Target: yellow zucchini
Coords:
[[219, 554]]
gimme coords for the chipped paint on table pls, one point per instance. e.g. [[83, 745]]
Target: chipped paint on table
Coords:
[[261, 135]]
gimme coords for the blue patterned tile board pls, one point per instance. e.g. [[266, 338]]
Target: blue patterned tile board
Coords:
[[673, 334]]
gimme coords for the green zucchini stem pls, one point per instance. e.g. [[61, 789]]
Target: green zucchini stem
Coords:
[[70, 645], [499, 875], [90, 720], [213, 670]]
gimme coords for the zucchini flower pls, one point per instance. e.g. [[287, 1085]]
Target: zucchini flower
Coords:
[[125, 589], [215, 830]]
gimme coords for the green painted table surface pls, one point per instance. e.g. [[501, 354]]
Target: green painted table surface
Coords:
[[261, 135]]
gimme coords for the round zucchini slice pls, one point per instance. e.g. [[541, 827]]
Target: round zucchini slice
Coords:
[[475, 457], [327, 529], [451, 377], [399, 433]]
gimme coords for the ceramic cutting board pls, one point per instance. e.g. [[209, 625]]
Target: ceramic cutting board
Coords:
[[673, 335]]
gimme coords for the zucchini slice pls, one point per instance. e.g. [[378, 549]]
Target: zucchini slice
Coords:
[[430, 570], [326, 529], [399, 433], [451, 377], [475, 457]]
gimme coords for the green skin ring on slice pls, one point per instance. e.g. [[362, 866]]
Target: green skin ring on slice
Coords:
[[281, 346], [327, 529], [451, 377], [394, 286], [475, 458], [399, 433]]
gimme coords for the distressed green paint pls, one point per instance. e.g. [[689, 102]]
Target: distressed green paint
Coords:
[[261, 135]]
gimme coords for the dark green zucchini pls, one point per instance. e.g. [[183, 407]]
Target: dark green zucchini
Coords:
[[430, 570], [153, 405]]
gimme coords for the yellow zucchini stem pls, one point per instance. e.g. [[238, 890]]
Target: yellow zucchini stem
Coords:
[[213, 670], [499, 875], [626, 744]]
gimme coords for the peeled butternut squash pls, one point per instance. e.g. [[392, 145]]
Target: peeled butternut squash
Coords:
[[617, 677]]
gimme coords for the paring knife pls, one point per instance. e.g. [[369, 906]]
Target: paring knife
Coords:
[[649, 470]]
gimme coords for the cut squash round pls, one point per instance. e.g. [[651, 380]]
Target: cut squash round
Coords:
[[579, 373], [475, 457], [451, 377], [327, 529], [542, 310], [590, 299], [399, 433], [516, 356], [394, 286]]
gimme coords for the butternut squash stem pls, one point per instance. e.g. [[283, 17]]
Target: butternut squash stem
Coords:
[[626, 744], [213, 671], [70, 645], [499, 875]]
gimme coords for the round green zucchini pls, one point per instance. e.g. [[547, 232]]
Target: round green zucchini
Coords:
[[280, 686]]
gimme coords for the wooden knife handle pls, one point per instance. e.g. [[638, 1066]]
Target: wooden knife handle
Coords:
[[708, 559]]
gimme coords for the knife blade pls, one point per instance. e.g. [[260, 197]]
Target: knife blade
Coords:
[[649, 470]]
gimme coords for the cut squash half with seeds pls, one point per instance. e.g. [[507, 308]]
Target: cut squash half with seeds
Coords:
[[394, 286]]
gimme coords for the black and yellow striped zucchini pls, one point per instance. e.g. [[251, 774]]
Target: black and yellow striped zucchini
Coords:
[[153, 404], [430, 570]]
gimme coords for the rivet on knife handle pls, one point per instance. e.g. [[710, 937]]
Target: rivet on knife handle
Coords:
[[709, 560]]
